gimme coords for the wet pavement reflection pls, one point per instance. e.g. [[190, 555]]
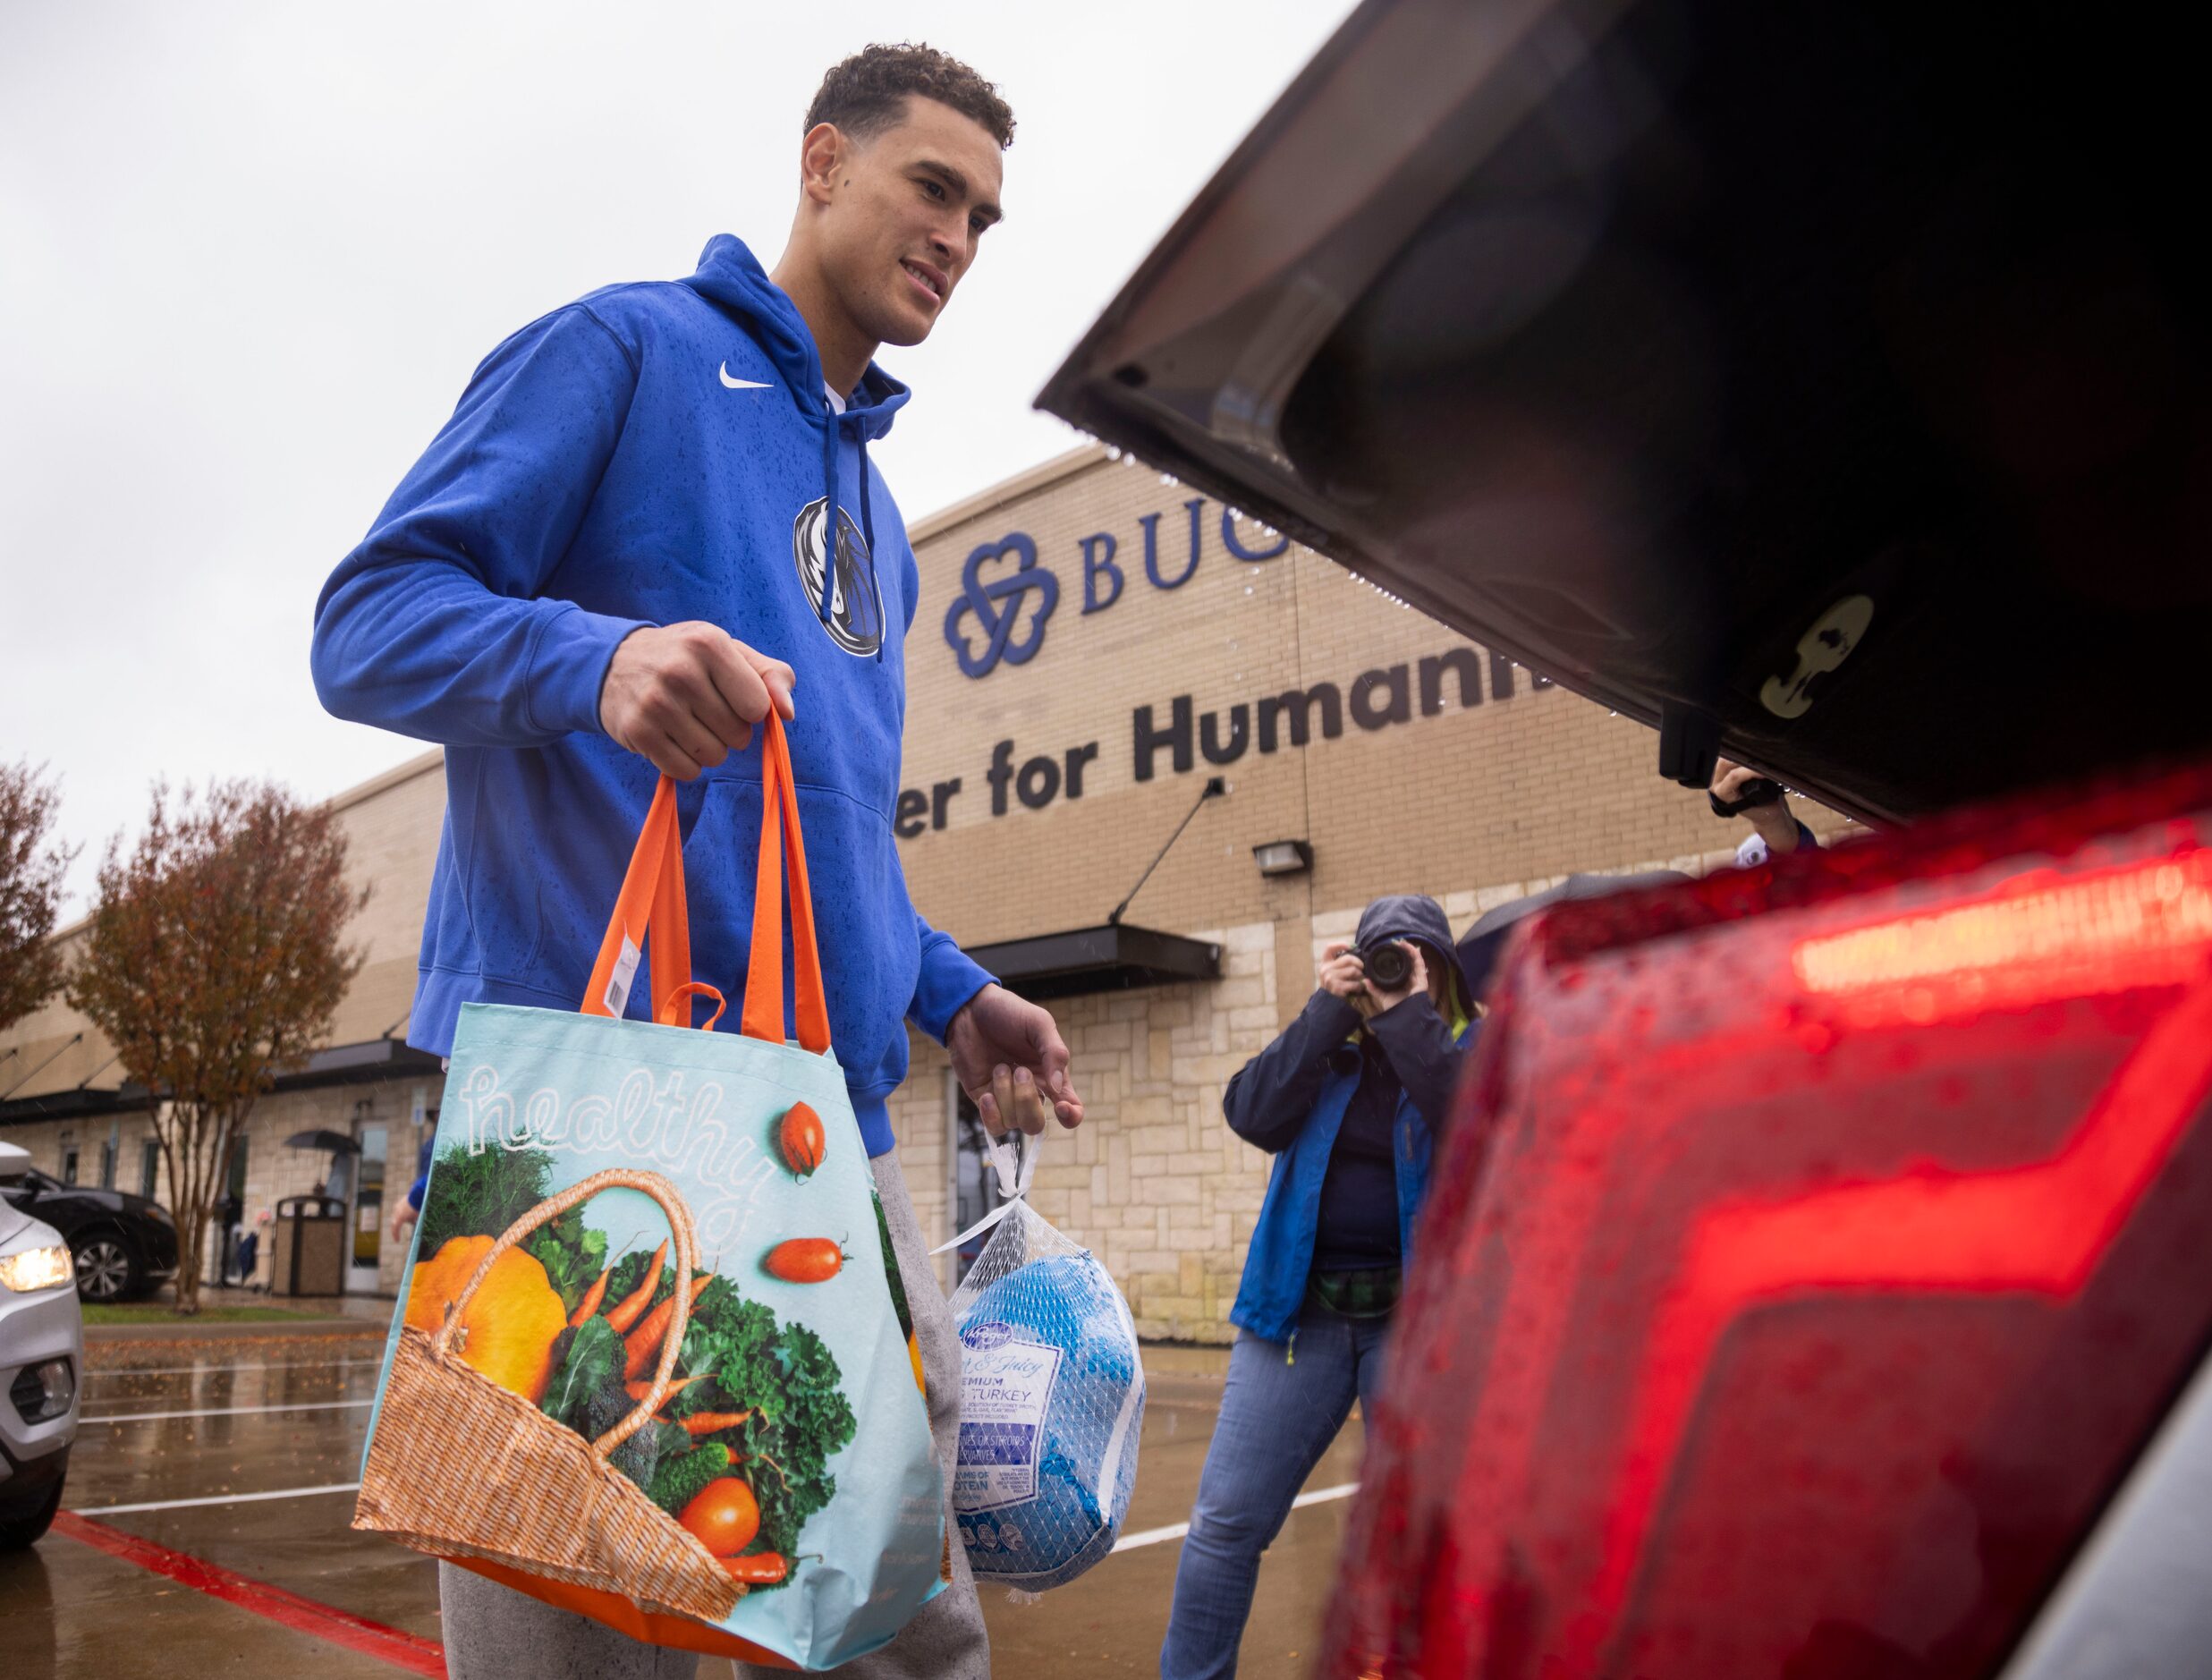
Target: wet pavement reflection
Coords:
[[240, 1453]]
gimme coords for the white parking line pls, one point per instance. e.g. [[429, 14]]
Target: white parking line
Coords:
[[211, 1368], [229, 1412], [1128, 1542], [217, 1499], [1176, 1531]]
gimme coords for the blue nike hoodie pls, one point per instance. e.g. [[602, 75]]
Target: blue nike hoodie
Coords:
[[651, 454]]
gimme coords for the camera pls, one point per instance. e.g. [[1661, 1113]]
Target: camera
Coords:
[[1388, 965], [1758, 790]]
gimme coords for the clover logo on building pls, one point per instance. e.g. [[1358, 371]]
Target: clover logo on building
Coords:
[[998, 605]]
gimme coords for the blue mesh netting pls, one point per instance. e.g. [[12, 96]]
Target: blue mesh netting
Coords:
[[1052, 1401]]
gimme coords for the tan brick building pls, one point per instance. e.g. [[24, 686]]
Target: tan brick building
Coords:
[[1093, 642], [61, 1097]]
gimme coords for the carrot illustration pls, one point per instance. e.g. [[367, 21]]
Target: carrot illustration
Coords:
[[589, 1304], [713, 1422], [638, 1390], [641, 1344], [619, 1319]]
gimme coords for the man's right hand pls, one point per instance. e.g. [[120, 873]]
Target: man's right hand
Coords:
[[688, 696]]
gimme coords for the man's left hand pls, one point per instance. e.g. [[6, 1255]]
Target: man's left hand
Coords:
[[1010, 1060]]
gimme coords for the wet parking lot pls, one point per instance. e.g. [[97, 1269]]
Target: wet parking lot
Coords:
[[205, 1530]]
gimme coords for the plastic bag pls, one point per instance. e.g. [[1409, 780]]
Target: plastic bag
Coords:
[[1052, 1397]]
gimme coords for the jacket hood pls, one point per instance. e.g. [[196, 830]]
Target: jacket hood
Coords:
[[731, 277], [1413, 916]]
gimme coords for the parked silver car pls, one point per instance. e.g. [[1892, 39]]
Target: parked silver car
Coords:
[[41, 1364]]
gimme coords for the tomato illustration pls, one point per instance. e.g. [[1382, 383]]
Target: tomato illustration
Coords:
[[799, 1134], [724, 1516], [806, 1260]]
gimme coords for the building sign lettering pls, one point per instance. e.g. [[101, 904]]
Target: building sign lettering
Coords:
[[1179, 739]]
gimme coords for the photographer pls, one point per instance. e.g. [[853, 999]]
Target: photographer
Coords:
[[1348, 1099]]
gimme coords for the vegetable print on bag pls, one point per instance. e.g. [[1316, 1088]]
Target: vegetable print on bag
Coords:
[[654, 1364]]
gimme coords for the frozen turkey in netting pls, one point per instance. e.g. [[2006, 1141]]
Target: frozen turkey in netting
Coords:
[[1051, 1398]]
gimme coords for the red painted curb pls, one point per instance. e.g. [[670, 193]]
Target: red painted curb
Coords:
[[287, 1609]]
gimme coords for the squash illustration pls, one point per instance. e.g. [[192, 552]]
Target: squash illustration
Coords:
[[508, 1328]]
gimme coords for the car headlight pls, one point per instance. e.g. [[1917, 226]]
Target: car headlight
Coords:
[[163, 1213], [37, 1268]]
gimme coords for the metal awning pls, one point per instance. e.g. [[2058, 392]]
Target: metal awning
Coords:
[[348, 1064], [1113, 957], [330, 1142]]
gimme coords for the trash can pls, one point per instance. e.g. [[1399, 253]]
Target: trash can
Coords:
[[309, 1255]]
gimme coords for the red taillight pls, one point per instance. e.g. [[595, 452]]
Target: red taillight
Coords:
[[2149, 924], [1795, 1290]]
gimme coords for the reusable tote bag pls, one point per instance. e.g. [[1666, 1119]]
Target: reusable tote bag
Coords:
[[652, 1366]]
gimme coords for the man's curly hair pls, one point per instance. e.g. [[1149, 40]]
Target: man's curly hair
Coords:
[[866, 93]]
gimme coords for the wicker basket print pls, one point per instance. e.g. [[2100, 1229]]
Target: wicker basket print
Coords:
[[455, 1453]]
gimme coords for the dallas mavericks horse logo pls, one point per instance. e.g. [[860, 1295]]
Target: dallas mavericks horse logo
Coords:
[[855, 618]]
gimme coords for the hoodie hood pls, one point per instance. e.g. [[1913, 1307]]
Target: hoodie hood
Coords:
[[731, 277], [1414, 916]]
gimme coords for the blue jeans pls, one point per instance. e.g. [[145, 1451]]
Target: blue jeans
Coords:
[[1277, 1417]]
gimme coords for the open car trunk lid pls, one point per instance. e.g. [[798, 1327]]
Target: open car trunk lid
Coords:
[[1821, 381]]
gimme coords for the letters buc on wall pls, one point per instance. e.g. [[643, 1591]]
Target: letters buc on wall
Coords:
[[1002, 619]]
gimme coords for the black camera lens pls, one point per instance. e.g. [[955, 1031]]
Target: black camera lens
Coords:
[[1388, 966]]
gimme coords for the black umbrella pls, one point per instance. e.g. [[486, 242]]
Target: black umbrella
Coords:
[[336, 1142], [1479, 945]]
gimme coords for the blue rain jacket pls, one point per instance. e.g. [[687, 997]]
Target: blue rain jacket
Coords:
[[1292, 1099]]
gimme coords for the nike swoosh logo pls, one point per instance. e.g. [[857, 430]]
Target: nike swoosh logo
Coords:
[[742, 385]]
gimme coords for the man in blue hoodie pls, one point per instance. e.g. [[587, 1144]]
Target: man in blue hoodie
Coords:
[[651, 518]]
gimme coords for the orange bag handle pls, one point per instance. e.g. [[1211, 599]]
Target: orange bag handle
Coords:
[[651, 918], [780, 839]]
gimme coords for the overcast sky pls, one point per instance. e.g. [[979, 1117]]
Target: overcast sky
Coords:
[[248, 255]]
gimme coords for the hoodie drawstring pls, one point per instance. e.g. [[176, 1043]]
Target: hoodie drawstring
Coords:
[[867, 518], [867, 528], [829, 506], [830, 420]]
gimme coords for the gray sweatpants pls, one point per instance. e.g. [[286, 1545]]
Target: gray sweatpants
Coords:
[[492, 1632]]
